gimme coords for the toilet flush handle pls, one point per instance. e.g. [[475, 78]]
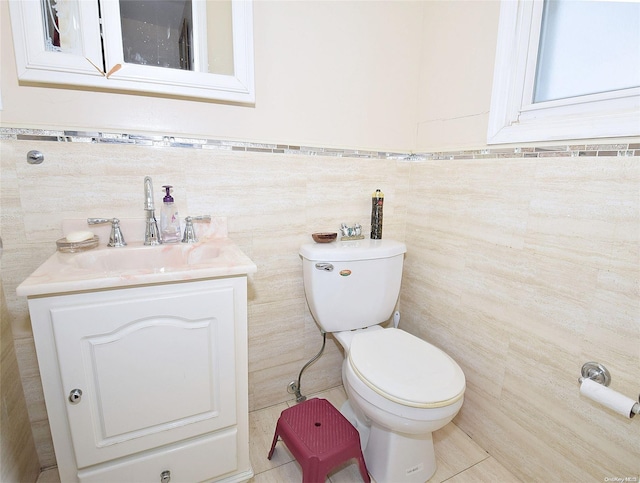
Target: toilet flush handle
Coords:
[[327, 267]]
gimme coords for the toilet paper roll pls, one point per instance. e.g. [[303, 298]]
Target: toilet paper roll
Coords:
[[615, 401]]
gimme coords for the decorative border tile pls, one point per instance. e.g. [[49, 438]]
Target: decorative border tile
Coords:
[[623, 149]]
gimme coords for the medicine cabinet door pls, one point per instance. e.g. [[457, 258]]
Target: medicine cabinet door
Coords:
[[204, 48]]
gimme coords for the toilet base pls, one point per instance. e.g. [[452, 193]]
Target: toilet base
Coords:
[[393, 457], [363, 427]]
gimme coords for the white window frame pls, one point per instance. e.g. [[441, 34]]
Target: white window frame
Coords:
[[35, 65], [515, 118]]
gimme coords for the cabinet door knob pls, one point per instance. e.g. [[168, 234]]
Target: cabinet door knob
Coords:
[[165, 476], [74, 396]]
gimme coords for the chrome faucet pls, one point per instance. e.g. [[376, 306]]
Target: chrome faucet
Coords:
[[151, 233]]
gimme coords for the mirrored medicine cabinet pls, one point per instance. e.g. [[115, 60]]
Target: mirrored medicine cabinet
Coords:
[[186, 48]]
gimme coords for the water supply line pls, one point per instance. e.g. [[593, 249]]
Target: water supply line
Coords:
[[294, 387]]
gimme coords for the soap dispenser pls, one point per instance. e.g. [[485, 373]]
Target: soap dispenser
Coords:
[[169, 220]]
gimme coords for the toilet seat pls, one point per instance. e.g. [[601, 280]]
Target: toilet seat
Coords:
[[405, 369]]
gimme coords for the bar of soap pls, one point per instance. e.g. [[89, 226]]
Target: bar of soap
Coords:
[[79, 236]]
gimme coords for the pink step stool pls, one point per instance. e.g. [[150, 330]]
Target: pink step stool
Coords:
[[320, 438]]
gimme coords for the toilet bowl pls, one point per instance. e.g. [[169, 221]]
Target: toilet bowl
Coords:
[[400, 390]]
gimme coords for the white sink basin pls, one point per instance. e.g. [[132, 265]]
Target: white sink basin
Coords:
[[157, 258], [136, 264]]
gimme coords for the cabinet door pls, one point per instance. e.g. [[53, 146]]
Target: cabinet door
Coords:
[[154, 366]]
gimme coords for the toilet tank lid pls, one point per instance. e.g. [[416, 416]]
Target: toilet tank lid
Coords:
[[340, 251]]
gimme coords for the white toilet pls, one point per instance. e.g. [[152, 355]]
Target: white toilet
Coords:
[[400, 387]]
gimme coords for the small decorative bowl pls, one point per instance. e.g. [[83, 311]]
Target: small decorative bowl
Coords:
[[324, 237]]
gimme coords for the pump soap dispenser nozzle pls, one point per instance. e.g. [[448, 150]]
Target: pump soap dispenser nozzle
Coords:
[[167, 197]]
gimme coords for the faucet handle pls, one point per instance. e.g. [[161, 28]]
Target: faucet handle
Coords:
[[189, 231], [116, 239], [99, 221]]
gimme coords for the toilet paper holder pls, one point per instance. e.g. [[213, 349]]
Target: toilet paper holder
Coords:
[[596, 372], [599, 373]]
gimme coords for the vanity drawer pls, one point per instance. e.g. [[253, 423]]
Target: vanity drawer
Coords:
[[197, 460]]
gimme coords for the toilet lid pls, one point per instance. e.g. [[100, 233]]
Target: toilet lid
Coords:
[[406, 369]]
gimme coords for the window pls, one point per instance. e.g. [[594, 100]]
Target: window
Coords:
[[122, 45], [566, 70]]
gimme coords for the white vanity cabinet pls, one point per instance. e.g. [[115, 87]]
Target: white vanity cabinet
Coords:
[[147, 383]]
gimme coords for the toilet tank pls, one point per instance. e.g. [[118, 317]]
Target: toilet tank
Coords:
[[354, 284]]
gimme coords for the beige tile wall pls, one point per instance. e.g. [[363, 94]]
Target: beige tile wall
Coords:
[[522, 270], [18, 457], [273, 203]]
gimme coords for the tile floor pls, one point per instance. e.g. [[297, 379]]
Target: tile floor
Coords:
[[460, 460]]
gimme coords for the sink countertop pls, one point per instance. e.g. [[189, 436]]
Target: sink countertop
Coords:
[[61, 274]]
